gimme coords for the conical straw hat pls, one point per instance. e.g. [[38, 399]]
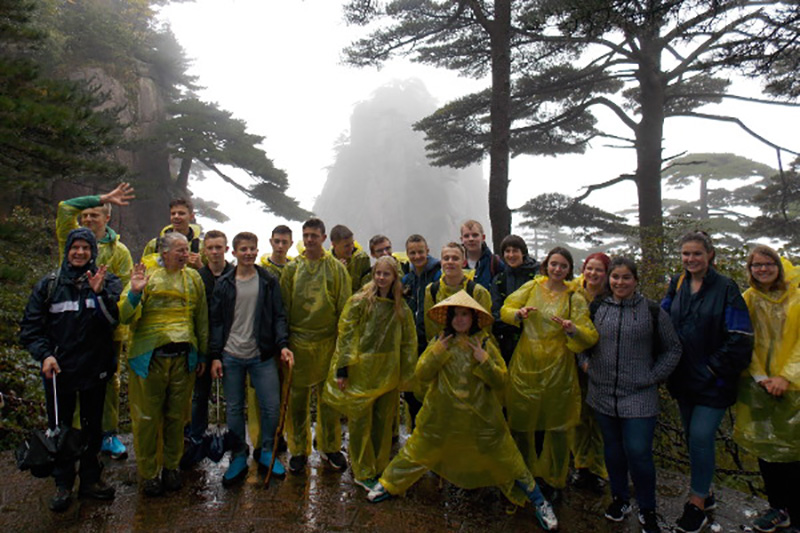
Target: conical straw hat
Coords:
[[438, 312]]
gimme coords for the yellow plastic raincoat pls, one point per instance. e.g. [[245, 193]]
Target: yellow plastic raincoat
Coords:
[[766, 426], [358, 268], [460, 433], [791, 273], [314, 295], [379, 350], [150, 254], [273, 268], [480, 294]]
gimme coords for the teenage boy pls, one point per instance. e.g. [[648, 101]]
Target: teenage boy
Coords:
[[281, 242], [356, 261], [315, 287], [181, 217], [422, 269], [479, 257], [452, 281], [248, 331], [94, 212], [215, 246]]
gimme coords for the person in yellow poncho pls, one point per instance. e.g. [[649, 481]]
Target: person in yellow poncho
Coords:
[[166, 309], [281, 242], [543, 400], [587, 448], [461, 434], [315, 287], [94, 212], [349, 252], [181, 217], [376, 353], [768, 404]]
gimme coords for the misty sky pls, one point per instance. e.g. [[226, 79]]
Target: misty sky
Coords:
[[276, 65]]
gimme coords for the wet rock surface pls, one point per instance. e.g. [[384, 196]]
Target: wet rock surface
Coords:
[[323, 500]]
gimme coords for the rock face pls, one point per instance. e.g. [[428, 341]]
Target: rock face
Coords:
[[381, 181]]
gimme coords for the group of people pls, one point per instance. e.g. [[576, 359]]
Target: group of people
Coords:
[[508, 367]]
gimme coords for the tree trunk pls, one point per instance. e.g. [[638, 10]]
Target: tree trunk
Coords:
[[703, 198], [649, 136], [182, 183], [500, 35]]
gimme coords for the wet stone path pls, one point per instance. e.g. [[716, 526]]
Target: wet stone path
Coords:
[[322, 500]]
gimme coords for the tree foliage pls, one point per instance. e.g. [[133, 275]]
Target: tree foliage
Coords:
[[779, 202]]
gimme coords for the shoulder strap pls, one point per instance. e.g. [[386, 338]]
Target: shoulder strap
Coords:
[[594, 305], [470, 287], [655, 310], [434, 290], [52, 283], [494, 265]]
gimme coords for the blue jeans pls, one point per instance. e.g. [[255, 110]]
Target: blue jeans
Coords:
[[202, 391], [700, 424], [264, 377], [628, 447]]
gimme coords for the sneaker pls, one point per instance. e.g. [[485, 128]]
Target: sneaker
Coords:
[[546, 516], [618, 510], [693, 519], [99, 490], [195, 451], [772, 519], [587, 480], [61, 501], [236, 472], [336, 460], [378, 493], [297, 464], [366, 484], [171, 479], [113, 446], [649, 521], [264, 459], [710, 503], [153, 487]]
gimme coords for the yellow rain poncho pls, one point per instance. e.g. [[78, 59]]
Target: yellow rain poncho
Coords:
[[171, 309], [480, 294], [791, 273], [543, 392], [314, 295], [358, 268], [379, 350], [766, 426], [150, 253], [460, 433], [273, 268]]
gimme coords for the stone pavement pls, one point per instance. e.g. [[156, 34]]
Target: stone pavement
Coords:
[[323, 500]]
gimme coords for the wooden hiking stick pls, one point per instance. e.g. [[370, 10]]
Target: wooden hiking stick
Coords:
[[281, 423]]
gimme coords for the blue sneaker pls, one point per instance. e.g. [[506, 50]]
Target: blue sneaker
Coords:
[[113, 446], [236, 472], [263, 464]]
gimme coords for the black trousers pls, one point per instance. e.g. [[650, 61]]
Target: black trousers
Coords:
[[91, 416], [780, 481]]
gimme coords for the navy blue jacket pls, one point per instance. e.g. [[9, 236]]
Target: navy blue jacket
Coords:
[[414, 293], [270, 327], [74, 324], [503, 284], [487, 267], [717, 337]]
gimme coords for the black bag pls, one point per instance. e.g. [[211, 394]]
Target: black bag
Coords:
[[43, 449]]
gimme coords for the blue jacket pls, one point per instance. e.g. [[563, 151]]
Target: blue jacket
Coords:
[[270, 327], [503, 284], [717, 337], [414, 292], [487, 267], [66, 319]]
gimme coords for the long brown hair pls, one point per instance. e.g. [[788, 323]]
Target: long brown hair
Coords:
[[780, 282], [370, 291]]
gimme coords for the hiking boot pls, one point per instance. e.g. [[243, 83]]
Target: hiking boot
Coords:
[[237, 471], [649, 521], [336, 460], [772, 519], [618, 510], [113, 446], [710, 502], [194, 453], [587, 480], [153, 487], [378, 493], [693, 519], [297, 464], [61, 501], [546, 516], [263, 465], [99, 490], [171, 479], [367, 484]]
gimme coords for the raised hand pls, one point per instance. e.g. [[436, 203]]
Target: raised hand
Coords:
[[122, 195], [442, 343], [139, 278], [567, 325], [478, 352], [195, 260], [523, 313], [96, 280]]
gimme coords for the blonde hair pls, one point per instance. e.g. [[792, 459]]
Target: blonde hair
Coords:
[[369, 291]]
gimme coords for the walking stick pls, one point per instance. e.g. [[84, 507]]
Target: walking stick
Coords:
[[281, 422]]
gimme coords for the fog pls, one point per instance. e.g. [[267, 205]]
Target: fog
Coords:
[[381, 182]]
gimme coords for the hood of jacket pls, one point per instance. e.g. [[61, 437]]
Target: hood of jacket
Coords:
[[84, 234]]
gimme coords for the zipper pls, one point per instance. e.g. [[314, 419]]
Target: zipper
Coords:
[[616, 375]]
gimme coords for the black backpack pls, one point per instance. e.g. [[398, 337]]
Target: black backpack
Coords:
[[435, 289]]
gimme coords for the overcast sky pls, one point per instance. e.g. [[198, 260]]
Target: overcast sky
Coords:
[[276, 65]]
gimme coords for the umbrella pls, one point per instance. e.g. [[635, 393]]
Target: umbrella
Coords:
[[43, 449]]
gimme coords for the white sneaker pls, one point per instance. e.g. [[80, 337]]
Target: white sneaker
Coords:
[[546, 516], [378, 493]]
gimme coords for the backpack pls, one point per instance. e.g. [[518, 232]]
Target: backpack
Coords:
[[435, 289], [654, 309]]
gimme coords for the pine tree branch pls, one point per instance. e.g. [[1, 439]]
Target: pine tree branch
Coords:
[[737, 121], [591, 188]]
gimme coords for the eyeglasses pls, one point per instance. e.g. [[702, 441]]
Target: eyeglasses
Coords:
[[756, 266]]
